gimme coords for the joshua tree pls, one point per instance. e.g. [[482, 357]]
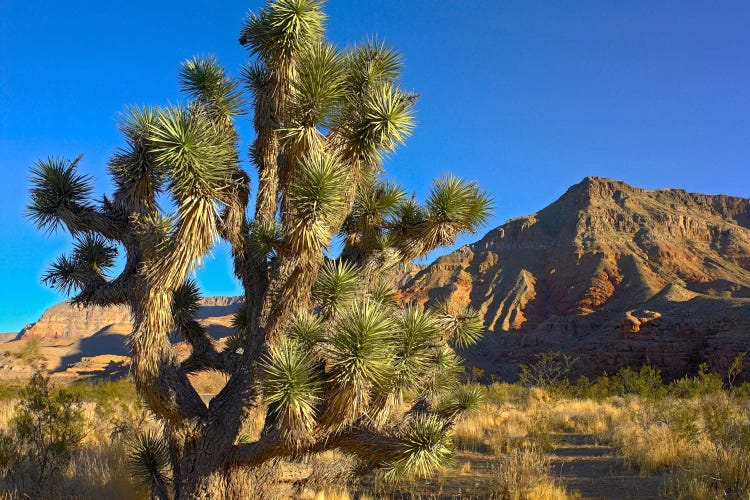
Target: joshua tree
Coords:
[[321, 349]]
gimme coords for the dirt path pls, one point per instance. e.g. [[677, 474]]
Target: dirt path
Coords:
[[582, 465], [596, 471]]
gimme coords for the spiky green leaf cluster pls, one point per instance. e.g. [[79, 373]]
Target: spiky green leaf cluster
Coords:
[[375, 204], [382, 292], [204, 79], [317, 88], [463, 327], [265, 239], [425, 448], [454, 206], [419, 334], [58, 191], [91, 257], [464, 400], [186, 299], [336, 286], [317, 196], [292, 388], [198, 155], [360, 347], [383, 119], [307, 329], [148, 462], [283, 27], [139, 178], [383, 218], [371, 63]]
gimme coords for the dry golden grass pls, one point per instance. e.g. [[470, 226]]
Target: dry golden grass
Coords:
[[703, 441], [501, 427], [504, 449], [523, 474]]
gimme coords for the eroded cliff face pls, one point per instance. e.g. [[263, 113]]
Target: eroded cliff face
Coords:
[[578, 275], [69, 321]]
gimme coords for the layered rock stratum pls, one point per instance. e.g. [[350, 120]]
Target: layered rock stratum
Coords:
[[613, 274], [79, 342]]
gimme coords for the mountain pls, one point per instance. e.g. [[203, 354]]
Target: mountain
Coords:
[[68, 321], [613, 274], [92, 341]]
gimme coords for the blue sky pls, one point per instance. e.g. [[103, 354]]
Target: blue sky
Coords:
[[528, 97]]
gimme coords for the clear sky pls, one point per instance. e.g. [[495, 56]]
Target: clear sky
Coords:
[[528, 97]]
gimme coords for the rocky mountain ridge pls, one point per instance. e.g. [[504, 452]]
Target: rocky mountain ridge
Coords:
[[614, 274]]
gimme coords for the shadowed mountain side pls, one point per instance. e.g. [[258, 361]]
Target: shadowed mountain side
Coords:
[[107, 341], [614, 274]]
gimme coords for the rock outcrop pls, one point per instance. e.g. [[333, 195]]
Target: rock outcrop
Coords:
[[79, 342], [614, 274], [69, 321]]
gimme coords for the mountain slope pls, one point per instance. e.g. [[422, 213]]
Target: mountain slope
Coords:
[[611, 273]]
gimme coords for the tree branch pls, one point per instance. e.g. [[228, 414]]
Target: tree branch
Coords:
[[373, 449]]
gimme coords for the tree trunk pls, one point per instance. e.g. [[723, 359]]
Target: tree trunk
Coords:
[[196, 477], [194, 481]]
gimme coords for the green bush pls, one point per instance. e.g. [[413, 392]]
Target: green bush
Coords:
[[704, 383], [646, 382], [104, 391], [47, 428], [9, 391], [502, 392]]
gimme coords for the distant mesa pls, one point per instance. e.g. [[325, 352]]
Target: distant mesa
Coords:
[[66, 321], [613, 274], [84, 342]]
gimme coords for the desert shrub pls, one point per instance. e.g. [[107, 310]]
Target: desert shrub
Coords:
[[518, 472], [704, 440], [548, 370], [510, 417], [523, 474], [735, 369], [500, 393], [105, 391], [599, 388], [741, 392], [46, 430], [647, 382], [702, 384], [31, 353], [10, 391], [720, 467], [585, 416]]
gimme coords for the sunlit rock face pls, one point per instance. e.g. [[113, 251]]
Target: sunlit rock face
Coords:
[[578, 275], [68, 321]]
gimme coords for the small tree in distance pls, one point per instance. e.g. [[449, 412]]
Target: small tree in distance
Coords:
[[321, 348]]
